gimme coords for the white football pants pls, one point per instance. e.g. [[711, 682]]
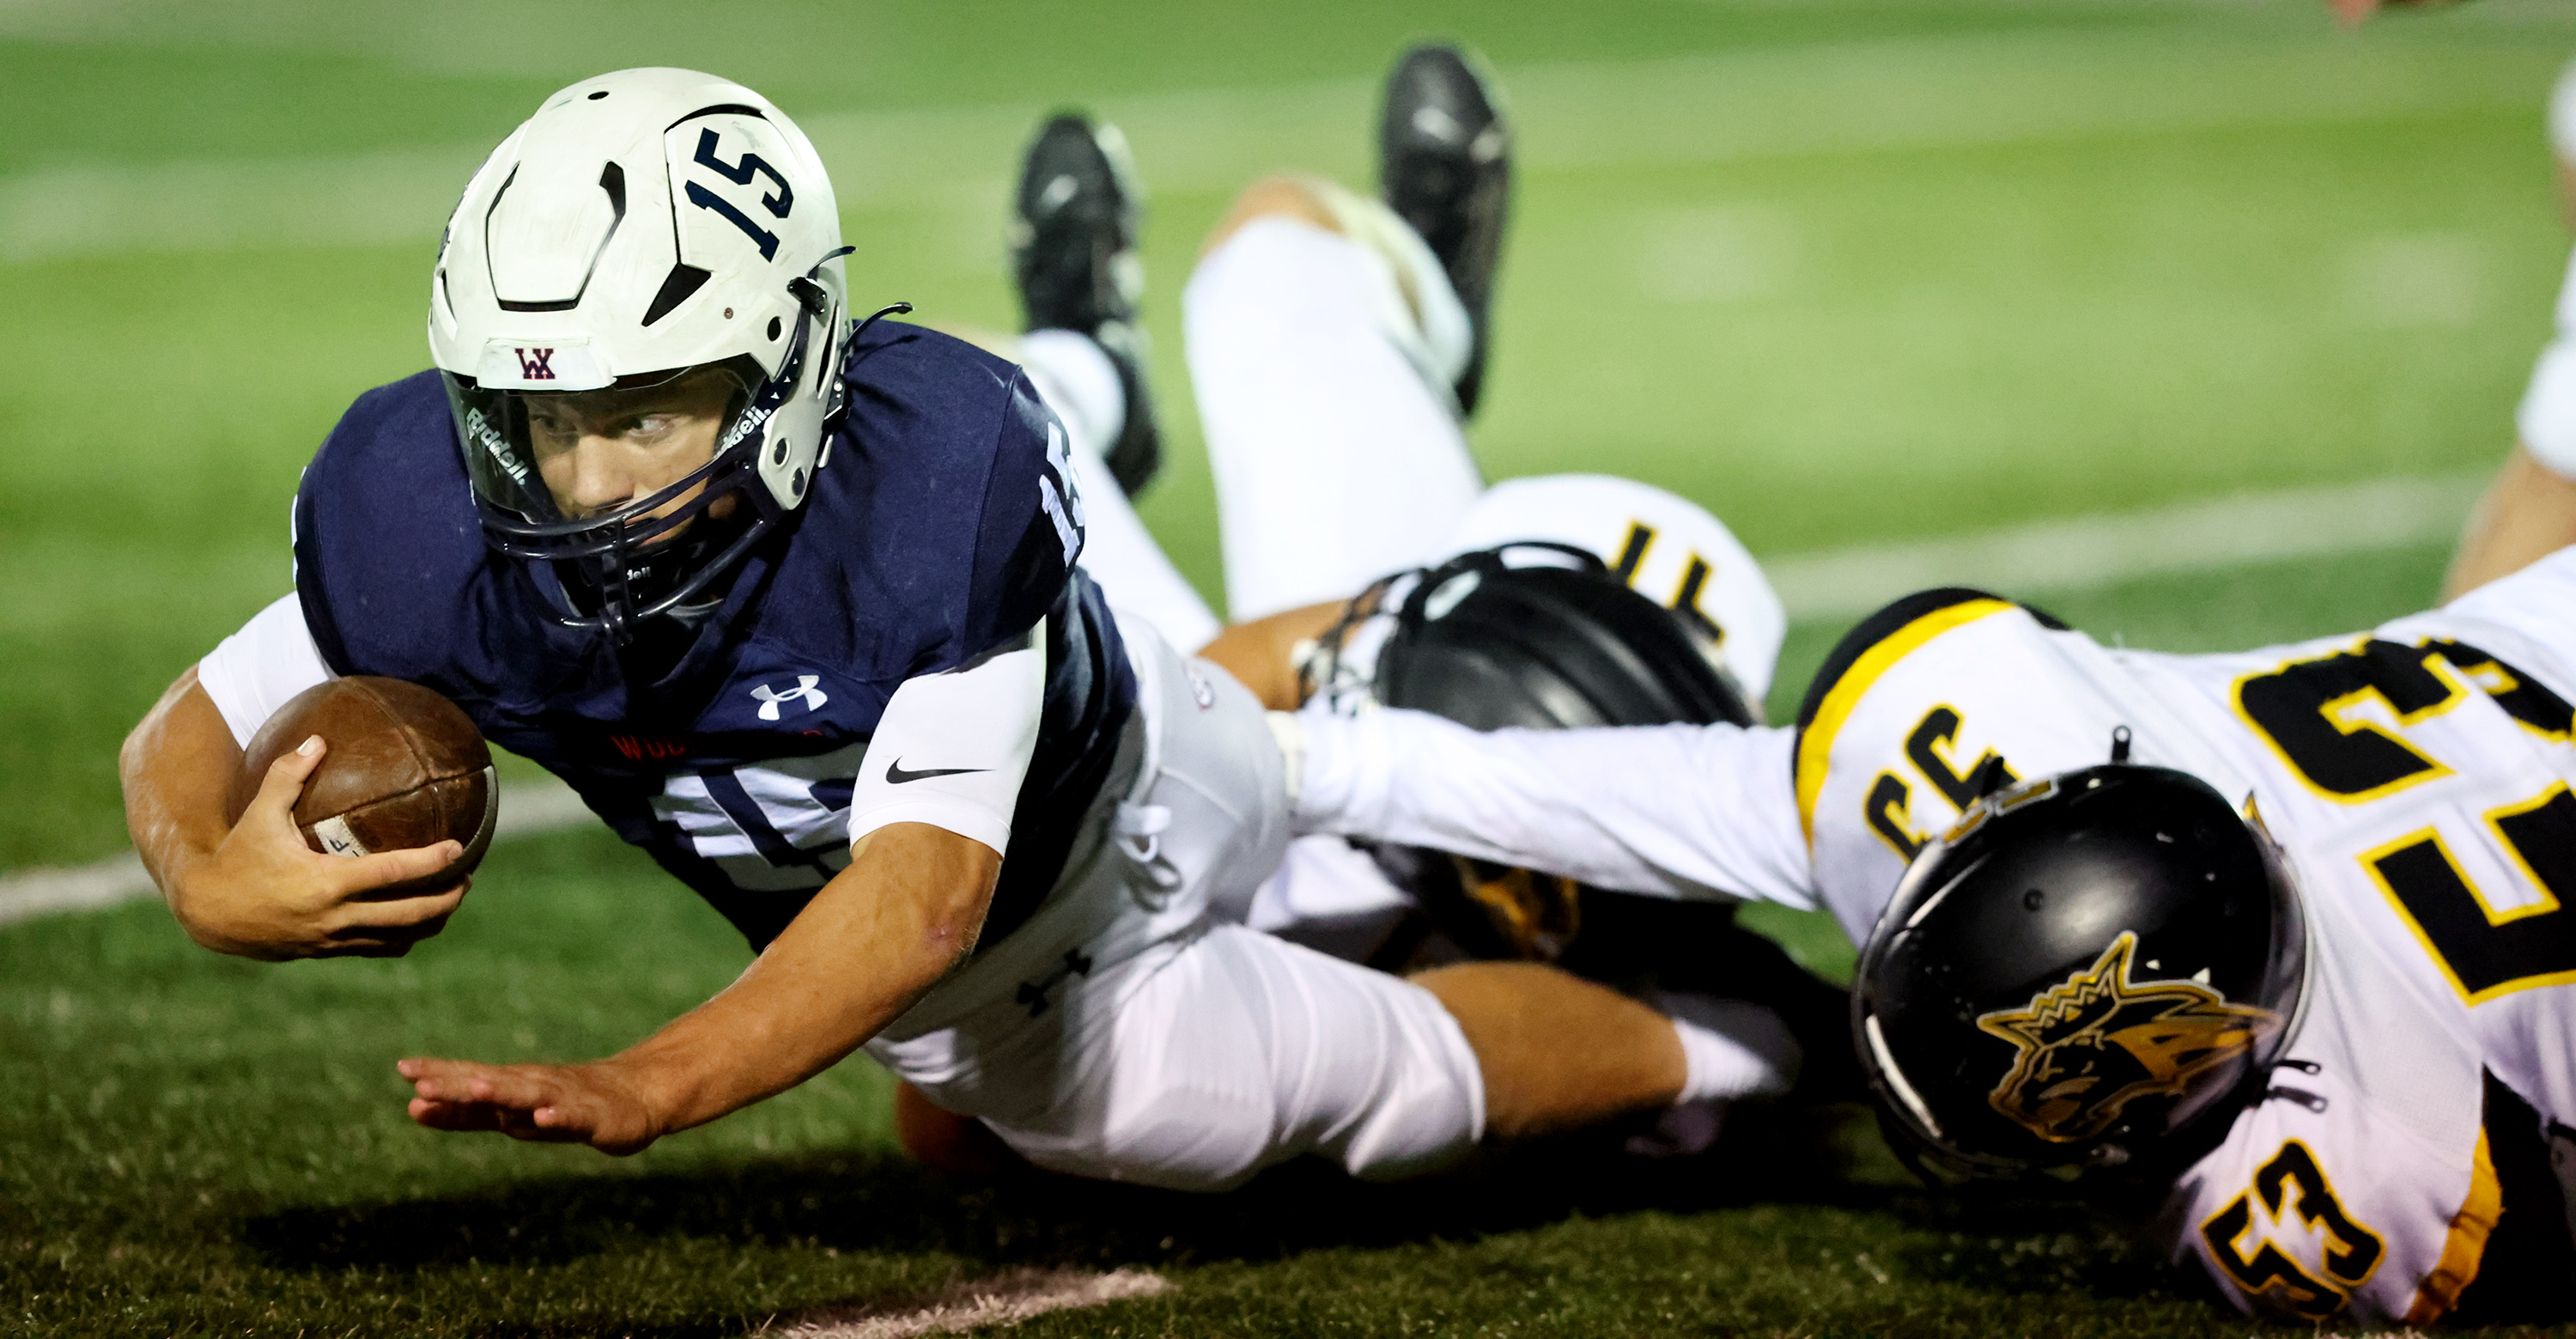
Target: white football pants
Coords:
[[1124, 1033]]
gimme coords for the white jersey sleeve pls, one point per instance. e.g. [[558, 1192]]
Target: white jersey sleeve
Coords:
[[2547, 417], [252, 673], [2536, 604], [1688, 811], [952, 749]]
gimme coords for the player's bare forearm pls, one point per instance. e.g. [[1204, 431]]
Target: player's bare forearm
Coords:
[[2528, 513], [255, 890], [175, 766], [879, 936], [876, 938], [1262, 654]]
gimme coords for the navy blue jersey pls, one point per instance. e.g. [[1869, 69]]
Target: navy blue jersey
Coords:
[[922, 544]]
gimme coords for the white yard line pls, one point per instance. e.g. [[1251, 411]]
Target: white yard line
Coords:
[[43, 891], [1006, 1299], [1894, 95], [2041, 558], [527, 808], [2091, 552]]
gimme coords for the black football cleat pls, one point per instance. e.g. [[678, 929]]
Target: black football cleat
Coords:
[[1073, 249], [1445, 168]]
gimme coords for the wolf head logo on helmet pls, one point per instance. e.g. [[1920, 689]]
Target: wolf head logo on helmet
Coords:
[[2097, 1041], [2000, 1010], [643, 227]]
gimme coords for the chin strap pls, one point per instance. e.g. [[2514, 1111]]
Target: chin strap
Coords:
[[896, 309]]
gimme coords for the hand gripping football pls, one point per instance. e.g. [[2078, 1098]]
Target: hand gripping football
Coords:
[[405, 769]]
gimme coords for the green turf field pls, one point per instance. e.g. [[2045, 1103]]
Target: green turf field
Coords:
[[1842, 270]]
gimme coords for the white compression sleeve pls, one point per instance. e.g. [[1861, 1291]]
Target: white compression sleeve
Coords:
[[1688, 811], [252, 673], [952, 749]]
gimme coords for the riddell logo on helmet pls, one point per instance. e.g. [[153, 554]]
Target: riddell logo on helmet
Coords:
[[2098, 1041], [536, 364]]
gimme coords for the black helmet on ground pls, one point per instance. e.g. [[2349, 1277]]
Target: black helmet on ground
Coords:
[[1543, 636], [2089, 970], [1535, 636]]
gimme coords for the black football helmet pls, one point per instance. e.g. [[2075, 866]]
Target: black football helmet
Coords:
[[1543, 636], [1536, 636], [2089, 970]]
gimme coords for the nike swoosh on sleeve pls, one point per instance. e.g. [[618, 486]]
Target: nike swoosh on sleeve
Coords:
[[895, 774]]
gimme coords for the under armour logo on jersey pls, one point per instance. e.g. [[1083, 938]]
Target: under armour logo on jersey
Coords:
[[536, 364], [1058, 495], [771, 699]]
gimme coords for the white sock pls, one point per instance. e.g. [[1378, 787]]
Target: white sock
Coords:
[[1732, 1049], [1077, 381]]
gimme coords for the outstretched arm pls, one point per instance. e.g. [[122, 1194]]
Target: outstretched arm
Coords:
[[1688, 811], [878, 936], [926, 848]]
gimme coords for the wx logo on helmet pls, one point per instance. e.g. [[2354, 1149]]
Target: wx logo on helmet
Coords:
[[771, 700], [536, 364], [2098, 1041]]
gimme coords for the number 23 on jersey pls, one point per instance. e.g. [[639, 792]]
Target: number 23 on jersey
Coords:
[[2340, 722]]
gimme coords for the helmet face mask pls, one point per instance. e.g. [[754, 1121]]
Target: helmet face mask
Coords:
[[643, 555], [530, 452], [642, 227], [2088, 971]]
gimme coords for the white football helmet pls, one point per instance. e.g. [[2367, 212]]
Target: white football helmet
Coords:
[[642, 224]]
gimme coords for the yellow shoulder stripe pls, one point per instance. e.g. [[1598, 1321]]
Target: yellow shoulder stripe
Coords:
[[1816, 743], [2465, 1247]]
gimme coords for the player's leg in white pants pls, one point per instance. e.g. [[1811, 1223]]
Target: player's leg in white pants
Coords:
[[1122, 1034], [1203, 1058], [1075, 379], [1334, 442], [1236, 1051]]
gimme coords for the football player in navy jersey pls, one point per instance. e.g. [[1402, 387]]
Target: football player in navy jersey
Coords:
[[793, 602]]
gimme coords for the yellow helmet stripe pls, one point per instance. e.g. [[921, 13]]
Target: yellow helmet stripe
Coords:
[[1816, 742]]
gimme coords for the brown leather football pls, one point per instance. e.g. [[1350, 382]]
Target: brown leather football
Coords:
[[405, 768]]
